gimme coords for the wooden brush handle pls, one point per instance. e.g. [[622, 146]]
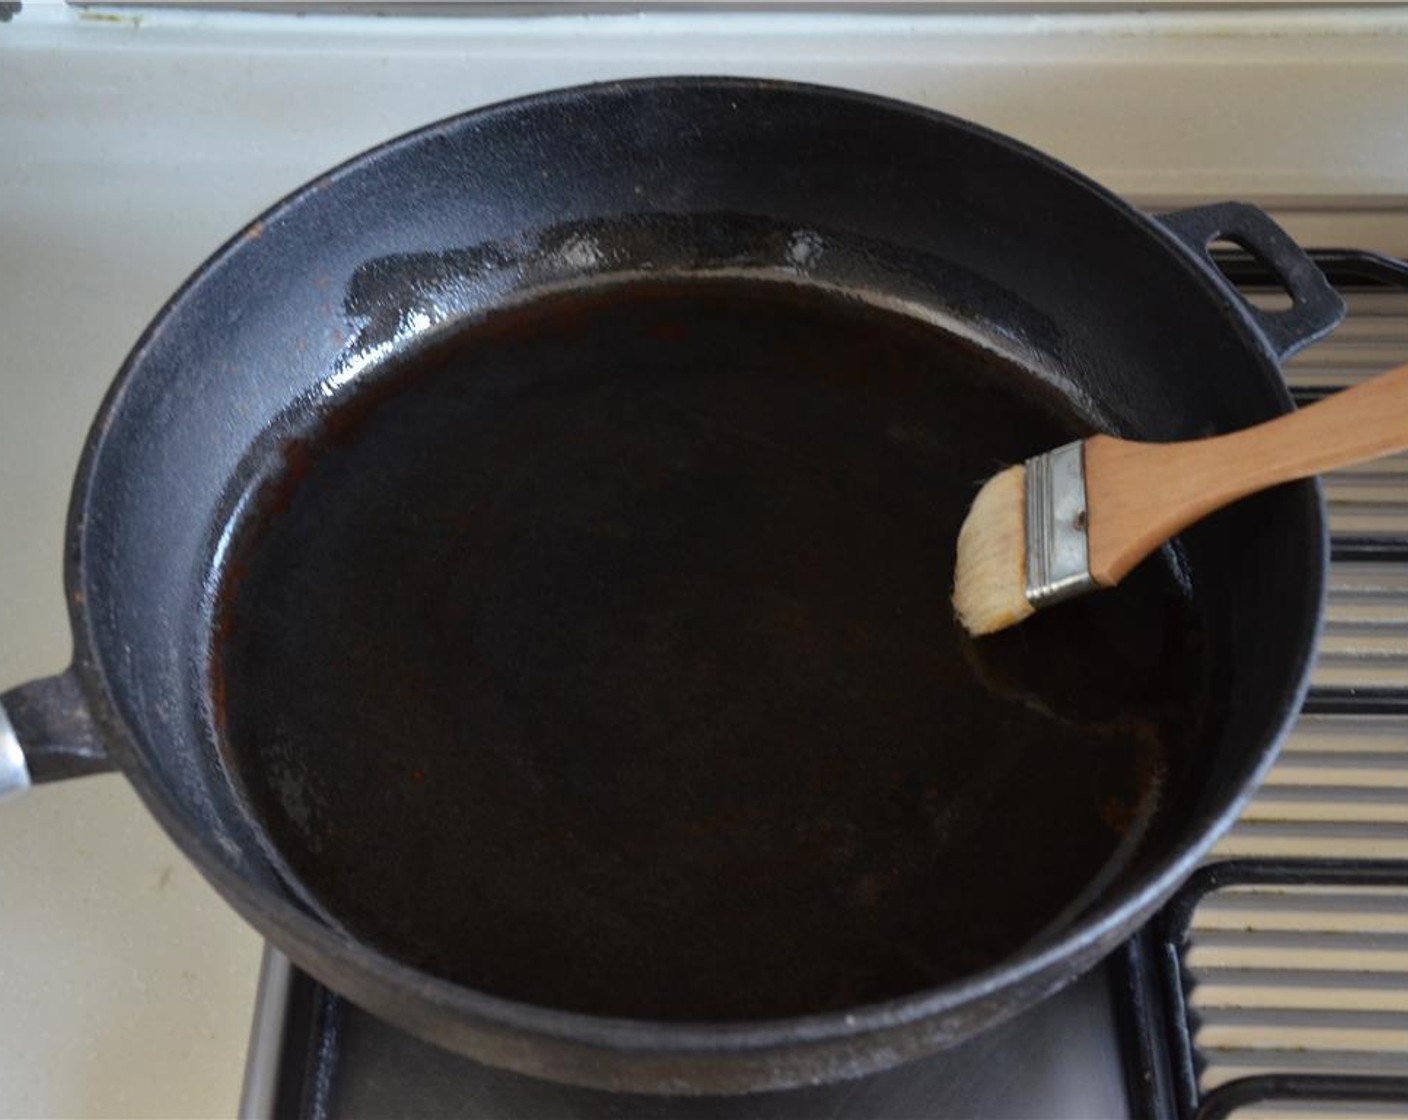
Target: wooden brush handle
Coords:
[[1141, 494]]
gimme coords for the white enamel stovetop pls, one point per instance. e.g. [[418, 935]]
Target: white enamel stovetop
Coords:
[[132, 142]]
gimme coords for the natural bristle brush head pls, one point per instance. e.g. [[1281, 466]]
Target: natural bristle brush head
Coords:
[[990, 574]]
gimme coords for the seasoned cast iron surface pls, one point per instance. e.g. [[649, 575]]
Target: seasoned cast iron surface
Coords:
[[601, 657]]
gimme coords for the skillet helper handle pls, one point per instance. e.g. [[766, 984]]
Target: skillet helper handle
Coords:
[[46, 734], [1316, 308]]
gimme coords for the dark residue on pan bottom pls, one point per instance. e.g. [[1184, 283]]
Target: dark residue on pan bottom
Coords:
[[601, 658]]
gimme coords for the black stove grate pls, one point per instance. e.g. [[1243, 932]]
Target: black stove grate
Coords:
[[1164, 1061]]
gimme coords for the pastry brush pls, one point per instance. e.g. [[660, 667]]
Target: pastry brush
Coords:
[[1082, 516]]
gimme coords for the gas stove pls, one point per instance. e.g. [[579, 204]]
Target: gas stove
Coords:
[[136, 139]]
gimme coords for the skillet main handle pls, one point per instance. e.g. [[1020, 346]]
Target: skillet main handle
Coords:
[[47, 733]]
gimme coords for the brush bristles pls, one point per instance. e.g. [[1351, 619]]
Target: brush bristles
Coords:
[[990, 574]]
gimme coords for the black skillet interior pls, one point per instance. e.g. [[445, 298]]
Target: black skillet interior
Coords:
[[677, 552], [601, 658]]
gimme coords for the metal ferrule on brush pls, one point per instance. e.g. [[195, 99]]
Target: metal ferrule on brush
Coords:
[[1058, 544]]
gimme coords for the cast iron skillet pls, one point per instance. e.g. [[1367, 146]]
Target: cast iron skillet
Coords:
[[806, 228]]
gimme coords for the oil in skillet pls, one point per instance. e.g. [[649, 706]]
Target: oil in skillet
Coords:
[[601, 658]]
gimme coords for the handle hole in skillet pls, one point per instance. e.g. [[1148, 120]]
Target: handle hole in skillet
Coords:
[[1243, 266]]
